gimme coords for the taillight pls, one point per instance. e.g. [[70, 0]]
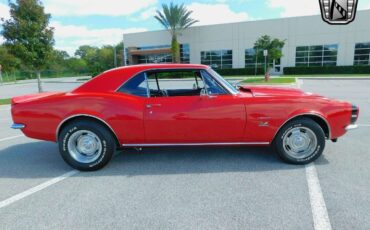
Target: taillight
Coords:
[[354, 115]]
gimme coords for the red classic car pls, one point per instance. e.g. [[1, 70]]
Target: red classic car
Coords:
[[179, 105]]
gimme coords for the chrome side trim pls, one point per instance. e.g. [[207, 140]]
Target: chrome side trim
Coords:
[[197, 144], [351, 127], [303, 114], [18, 126], [83, 115]]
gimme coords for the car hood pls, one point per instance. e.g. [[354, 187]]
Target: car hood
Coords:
[[268, 91]]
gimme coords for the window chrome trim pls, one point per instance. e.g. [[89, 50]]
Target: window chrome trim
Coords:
[[230, 91], [218, 83], [156, 69], [147, 85], [197, 144], [83, 115]]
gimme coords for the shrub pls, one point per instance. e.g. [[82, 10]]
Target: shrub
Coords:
[[236, 72], [327, 70]]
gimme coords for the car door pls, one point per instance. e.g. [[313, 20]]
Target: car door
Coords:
[[216, 117]]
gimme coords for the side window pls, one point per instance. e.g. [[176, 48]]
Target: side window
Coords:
[[175, 83], [212, 86], [135, 86]]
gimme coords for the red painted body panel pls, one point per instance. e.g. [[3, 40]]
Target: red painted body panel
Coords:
[[195, 119], [191, 119]]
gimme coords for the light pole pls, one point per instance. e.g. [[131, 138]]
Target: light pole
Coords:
[[124, 63], [265, 53], [1, 76], [267, 74], [256, 65], [115, 56]]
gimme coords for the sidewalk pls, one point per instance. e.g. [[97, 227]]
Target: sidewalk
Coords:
[[49, 80]]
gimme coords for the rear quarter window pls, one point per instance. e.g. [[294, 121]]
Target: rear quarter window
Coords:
[[135, 86]]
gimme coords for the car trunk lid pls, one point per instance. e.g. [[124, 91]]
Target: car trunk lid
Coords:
[[32, 97]]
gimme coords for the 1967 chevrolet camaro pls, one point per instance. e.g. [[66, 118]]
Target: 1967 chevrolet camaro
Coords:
[[179, 105]]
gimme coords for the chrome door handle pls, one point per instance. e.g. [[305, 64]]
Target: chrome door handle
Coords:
[[153, 105]]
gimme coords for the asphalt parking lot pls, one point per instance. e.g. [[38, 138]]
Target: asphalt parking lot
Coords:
[[191, 188]]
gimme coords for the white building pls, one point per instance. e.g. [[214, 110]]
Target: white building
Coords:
[[309, 42]]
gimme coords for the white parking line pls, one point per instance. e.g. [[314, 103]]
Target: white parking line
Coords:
[[11, 138], [319, 212], [38, 188]]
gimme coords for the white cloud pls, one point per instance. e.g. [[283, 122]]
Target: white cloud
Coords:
[[4, 11], [149, 13], [96, 7], [292, 8], [70, 37], [208, 14]]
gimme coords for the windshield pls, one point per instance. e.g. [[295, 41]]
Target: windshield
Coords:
[[225, 83]]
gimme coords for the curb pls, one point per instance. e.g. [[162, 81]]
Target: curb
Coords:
[[334, 78]]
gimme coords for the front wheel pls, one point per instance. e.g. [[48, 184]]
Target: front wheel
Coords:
[[300, 141], [86, 145]]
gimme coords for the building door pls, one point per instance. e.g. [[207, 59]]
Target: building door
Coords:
[[276, 67]]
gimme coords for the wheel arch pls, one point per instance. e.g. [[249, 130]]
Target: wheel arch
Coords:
[[319, 119], [76, 117]]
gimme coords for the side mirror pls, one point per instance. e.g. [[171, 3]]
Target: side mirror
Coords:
[[203, 93]]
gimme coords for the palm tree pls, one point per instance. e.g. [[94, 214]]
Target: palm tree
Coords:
[[175, 18]]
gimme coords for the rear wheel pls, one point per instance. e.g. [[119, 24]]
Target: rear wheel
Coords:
[[300, 141], [86, 145]]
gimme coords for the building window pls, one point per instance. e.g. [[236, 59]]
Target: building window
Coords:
[[362, 54], [252, 61], [321, 55], [154, 58], [185, 53], [218, 59], [159, 58]]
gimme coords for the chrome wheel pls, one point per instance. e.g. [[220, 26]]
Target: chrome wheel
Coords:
[[85, 146], [299, 142]]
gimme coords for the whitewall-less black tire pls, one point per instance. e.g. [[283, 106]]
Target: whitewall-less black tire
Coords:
[[86, 145], [300, 141]]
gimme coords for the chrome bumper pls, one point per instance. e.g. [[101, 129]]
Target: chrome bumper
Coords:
[[351, 127], [18, 126]]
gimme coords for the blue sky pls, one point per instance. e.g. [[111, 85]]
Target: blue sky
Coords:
[[98, 22]]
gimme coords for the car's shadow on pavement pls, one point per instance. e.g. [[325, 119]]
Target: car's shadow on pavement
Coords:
[[42, 160]]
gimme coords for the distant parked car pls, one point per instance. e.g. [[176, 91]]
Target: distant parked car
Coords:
[[179, 105]]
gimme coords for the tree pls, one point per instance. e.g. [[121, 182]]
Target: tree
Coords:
[[76, 65], [175, 18], [28, 35], [99, 59], [86, 52], [273, 46], [57, 61], [8, 62]]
